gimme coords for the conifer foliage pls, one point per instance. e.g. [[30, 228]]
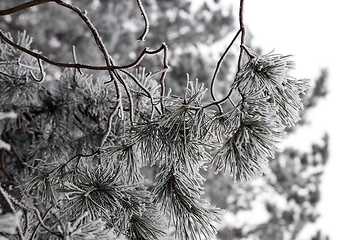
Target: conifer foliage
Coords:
[[73, 148]]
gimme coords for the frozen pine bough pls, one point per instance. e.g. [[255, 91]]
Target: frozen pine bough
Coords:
[[82, 145]]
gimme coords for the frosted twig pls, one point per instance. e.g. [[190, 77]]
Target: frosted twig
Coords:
[[75, 59], [38, 225], [119, 78], [218, 65], [146, 20], [22, 7], [249, 53], [79, 65], [148, 94], [242, 29], [109, 122], [162, 78], [37, 213], [42, 72]]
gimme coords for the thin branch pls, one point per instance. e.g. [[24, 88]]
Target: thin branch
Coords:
[[11, 76], [37, 213], [71, 159], [42, 72], [163, 75], [96, 35], [220, 101], [242, 28], [78, 65], [146, 21], [38, 225], [9, 201], [4, 235], [248, 52], [75, 59], [119, 78], [144, 89], [242, 31], [109, 122], [219, 63], [22, 7], [137, 83]]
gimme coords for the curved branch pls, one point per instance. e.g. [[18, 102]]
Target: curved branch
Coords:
[[79, 65], [220, 101], [22, 7], [38, 225], [109, 123], [37, 213], [219, 64], [42, 72], [146, 20], [96, 35]]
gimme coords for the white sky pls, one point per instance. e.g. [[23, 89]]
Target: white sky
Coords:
[[322, 33]]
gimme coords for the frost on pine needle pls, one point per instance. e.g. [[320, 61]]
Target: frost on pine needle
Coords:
[[269, 103]]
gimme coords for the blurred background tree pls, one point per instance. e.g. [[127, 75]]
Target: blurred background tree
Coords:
[[289, 192]]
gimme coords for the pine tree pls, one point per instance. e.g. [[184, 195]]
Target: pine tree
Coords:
[[73, 154]]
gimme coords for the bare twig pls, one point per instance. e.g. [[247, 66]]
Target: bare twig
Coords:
[[110, 118], [218, 65], [9, 200], [38, 225], [42, 72], [75, 59], [71, 159], [220, 101], [146, 21], [79, 65], [163, 75], [121, 80], [12, 76], [37, 213], [22, 7], [248, 52], [242, 29], [148, 94]]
